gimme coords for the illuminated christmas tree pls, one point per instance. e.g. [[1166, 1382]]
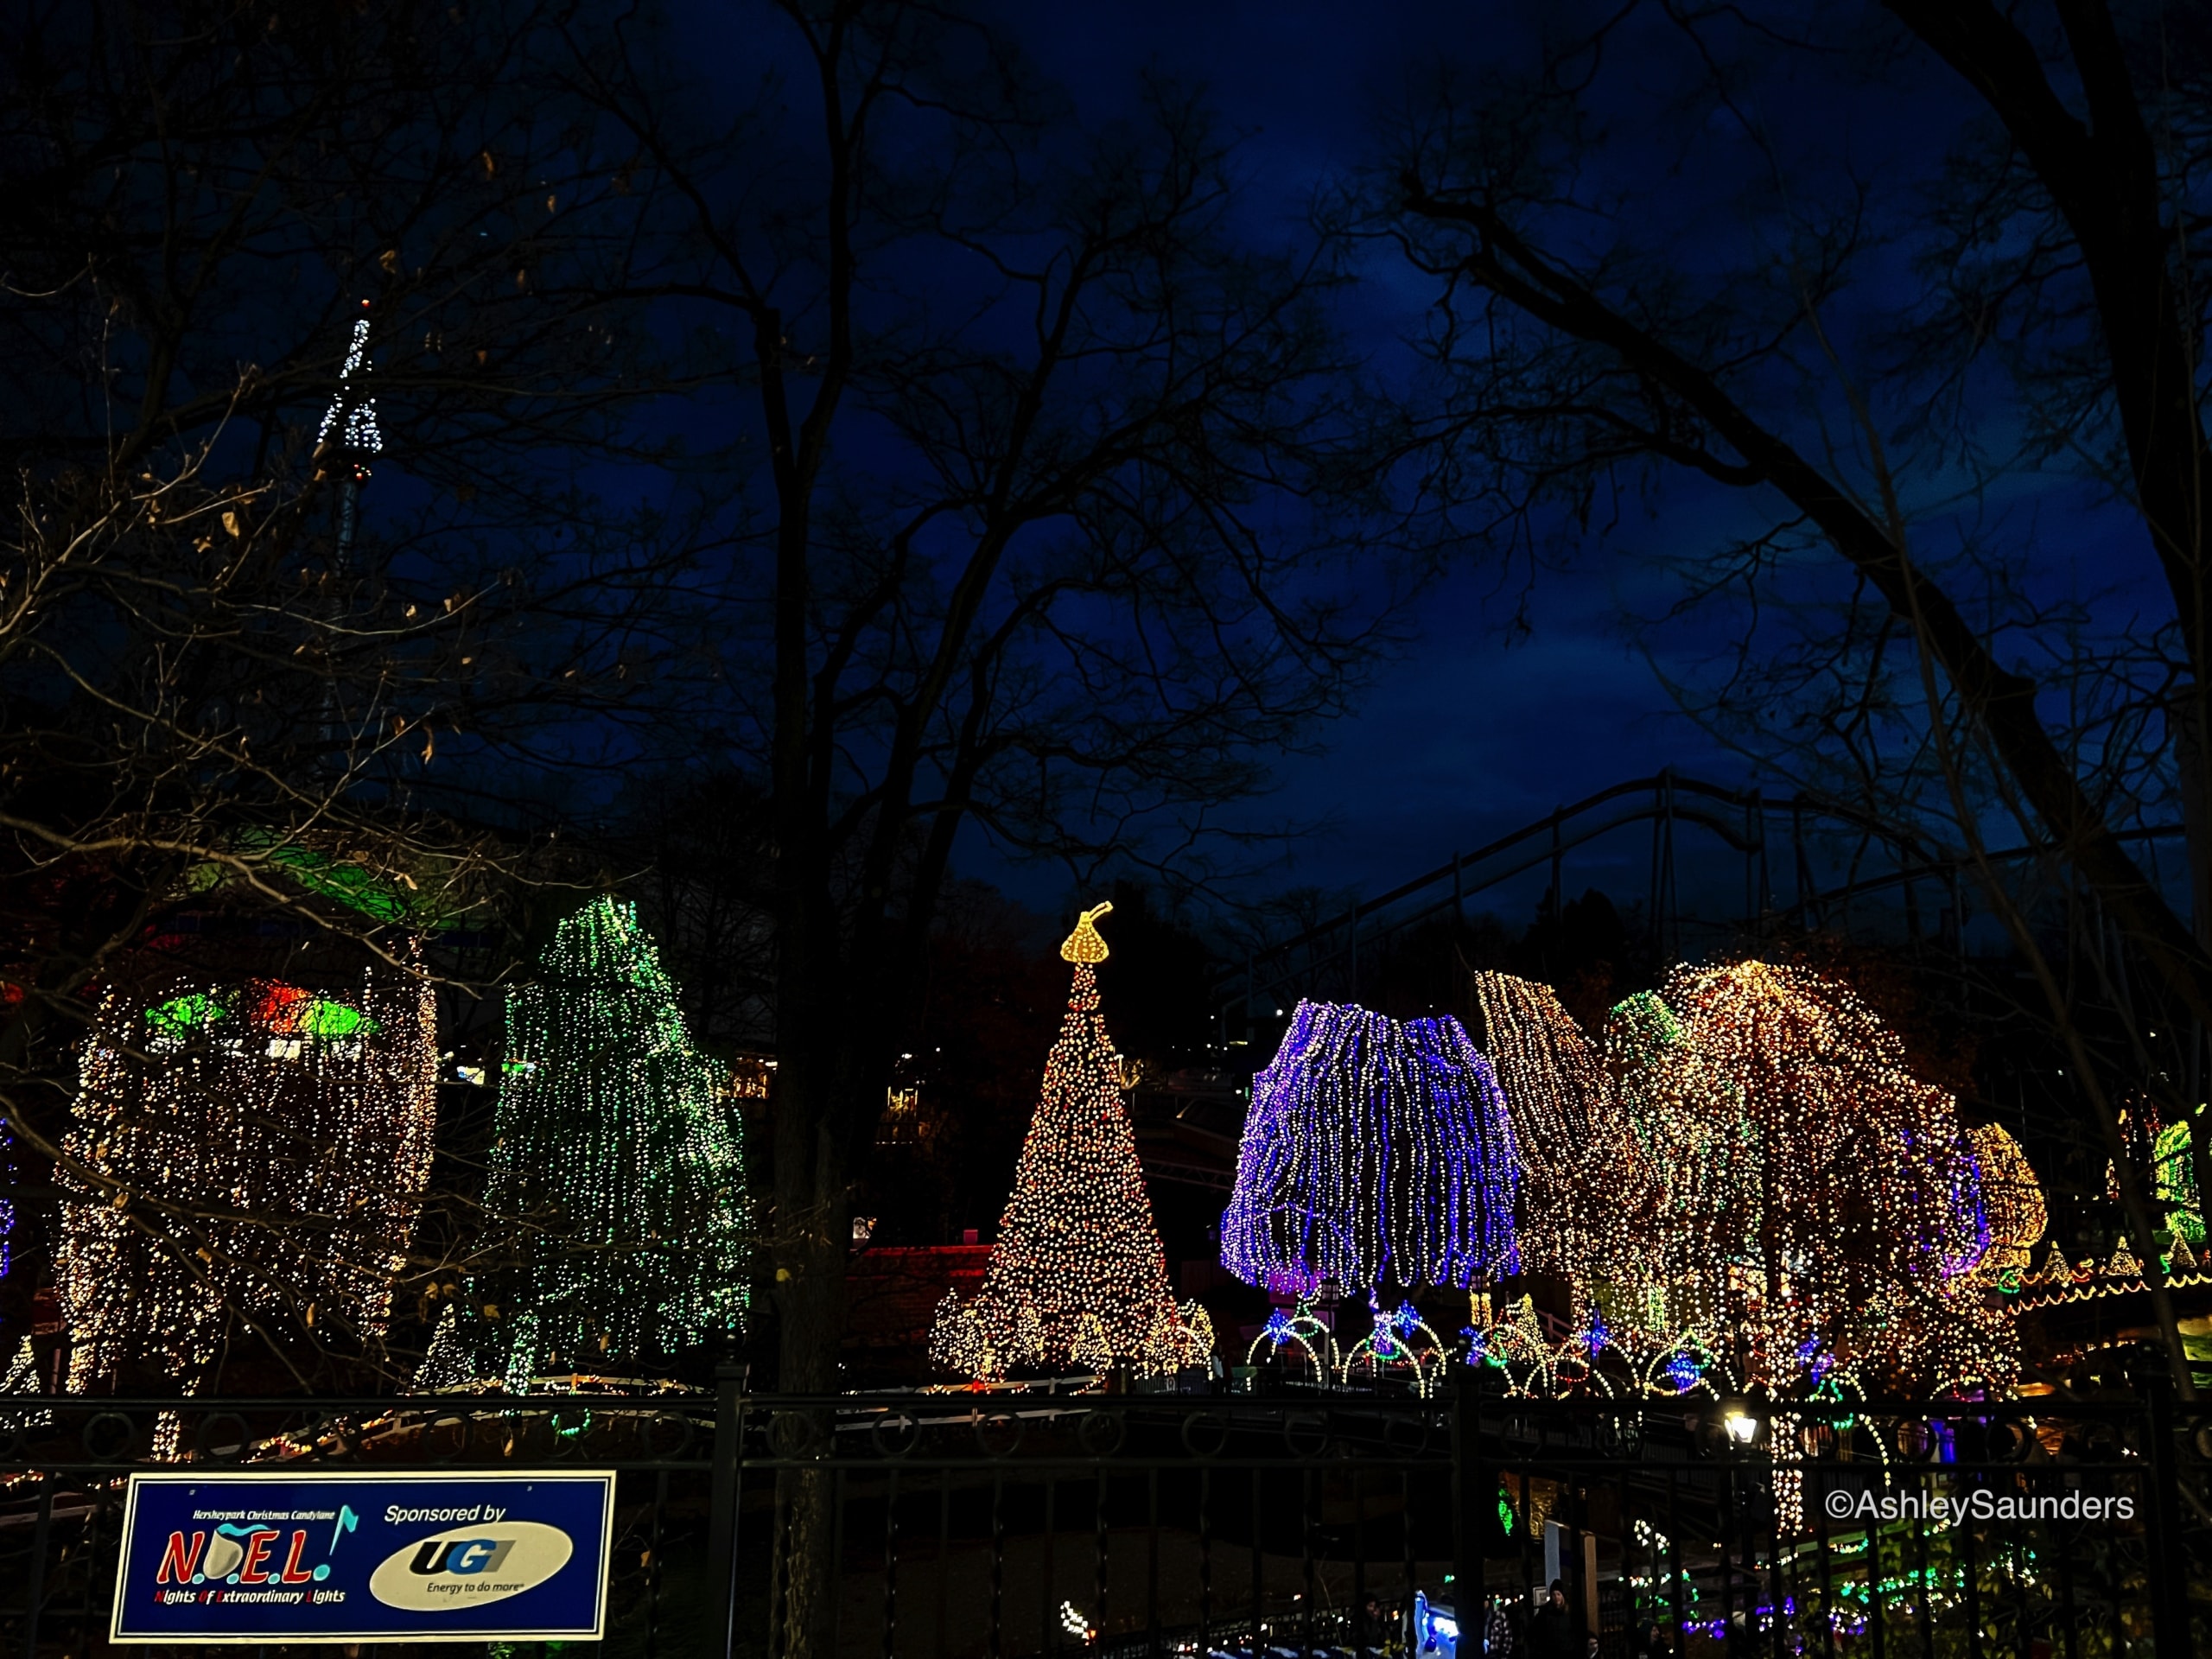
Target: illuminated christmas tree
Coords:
[[248, 1155], [617, 1193], [1078, 1275], [24, 1378], [1376, 1153], [447, 1364]]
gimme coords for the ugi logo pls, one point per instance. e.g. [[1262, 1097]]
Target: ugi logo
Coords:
[[468, 1567], [465, 1556]]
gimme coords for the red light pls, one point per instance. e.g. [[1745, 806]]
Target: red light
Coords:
[[279, 1009]]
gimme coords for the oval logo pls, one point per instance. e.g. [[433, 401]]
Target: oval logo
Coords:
[[471, 1566]]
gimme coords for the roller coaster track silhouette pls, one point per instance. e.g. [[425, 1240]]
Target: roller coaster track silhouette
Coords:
[[1325, 958]]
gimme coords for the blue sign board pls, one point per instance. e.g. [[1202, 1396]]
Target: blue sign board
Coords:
[[240, 1557]]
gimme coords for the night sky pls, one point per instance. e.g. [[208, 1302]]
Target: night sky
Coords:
[[1480, 726], [1524, 688], [1524, 691]]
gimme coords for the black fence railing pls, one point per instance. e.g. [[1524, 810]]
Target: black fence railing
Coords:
[[1290, 1523]]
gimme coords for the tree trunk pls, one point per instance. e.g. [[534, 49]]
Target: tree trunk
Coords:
[[2186, 718], [820, 1101], [806, 1572]]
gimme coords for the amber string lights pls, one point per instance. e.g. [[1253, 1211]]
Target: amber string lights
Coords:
[[1818, 1219], [1078, 1276], [1746, 1187], [250, 1152], [1589, 1198]]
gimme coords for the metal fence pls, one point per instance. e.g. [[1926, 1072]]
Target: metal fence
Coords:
[[1291, 1522]]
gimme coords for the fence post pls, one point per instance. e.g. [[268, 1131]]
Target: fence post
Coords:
[[1469, 1488], [728, 1487], [2168, 1564]]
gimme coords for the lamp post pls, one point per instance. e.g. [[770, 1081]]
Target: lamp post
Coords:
[[1735, 1429]]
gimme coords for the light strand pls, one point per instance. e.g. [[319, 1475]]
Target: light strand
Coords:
[[1374, 1153], [617, 1190], [254, 1152], [1078, 1275]]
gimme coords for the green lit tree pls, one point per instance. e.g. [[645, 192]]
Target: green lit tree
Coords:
[[617, 1196]]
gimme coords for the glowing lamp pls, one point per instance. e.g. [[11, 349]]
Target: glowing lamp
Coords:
[[1737, 1422]]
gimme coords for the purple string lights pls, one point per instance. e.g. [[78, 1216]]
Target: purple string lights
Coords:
[[1376, 1152]]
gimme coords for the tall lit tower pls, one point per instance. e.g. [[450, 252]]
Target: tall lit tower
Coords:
[[350, 438], [349, 441]]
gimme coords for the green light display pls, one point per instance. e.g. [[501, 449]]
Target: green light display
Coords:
[[2175, 1171], [334, 1022], [617, 1190], [182, 1015]]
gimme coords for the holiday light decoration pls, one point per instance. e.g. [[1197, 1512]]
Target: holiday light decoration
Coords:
[[1401, 1345], [1823, 1209], [351, 420], [1532, 1364], [1302, 1330], [2013, 1200], [523, 1351], [1748, 1189], [2174, 1172], [1374, 1153], [447, 1362], [1185, 1339], [1078, 1275], [350, 435], [1588, 1196], [249, 1153], [617, 1188], [22, 1378]]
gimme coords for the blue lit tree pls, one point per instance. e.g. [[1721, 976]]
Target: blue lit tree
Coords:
[[1376, 1153]]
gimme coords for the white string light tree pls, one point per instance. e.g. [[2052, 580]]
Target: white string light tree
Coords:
[[1589, 1200], [617, 1190], [250, 1155], [1824, 1223], [1078, 1276]]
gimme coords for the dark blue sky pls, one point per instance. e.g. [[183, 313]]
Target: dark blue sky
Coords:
[[1475, 730], [1479, 726], [1469, 734]]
